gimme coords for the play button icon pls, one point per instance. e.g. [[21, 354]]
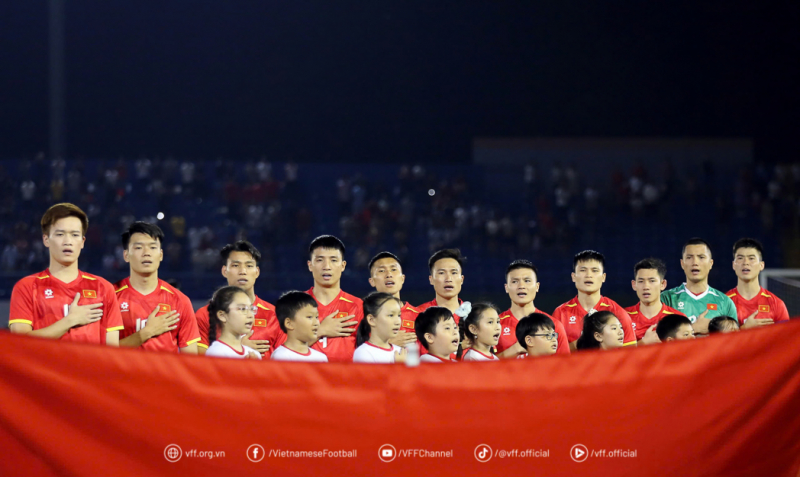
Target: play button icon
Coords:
[[579, 453]]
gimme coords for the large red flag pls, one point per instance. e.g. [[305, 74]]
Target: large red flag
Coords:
[[727, 405]]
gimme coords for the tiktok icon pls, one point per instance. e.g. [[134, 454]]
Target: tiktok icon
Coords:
[[255, 453], [483, 453]]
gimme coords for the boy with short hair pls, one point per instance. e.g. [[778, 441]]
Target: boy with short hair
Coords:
[[386, 276], [298, 318], [536, 333], [755, 306], [156, 316], [522, 285], [674, 328], [695, 298], [63, 302], [437, 331], [341, 312], [723, 324], [588, 275], [648, 283]]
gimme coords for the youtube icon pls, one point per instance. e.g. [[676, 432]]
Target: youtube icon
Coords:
[[579, 453]]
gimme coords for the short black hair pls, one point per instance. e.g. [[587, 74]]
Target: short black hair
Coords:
[[531, 324], [517, 264], [668, 326], [326, 241], [453, 253], [290, 303], [151, 230], [749, 243], [650, 264], [588, 255], [240, 246], [380, 256], [720, 323], [427, 320], [696, 241]]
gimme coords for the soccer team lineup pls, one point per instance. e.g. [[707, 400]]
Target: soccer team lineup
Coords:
[[326, 324]]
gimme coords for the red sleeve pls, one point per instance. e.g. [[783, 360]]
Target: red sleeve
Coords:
[[112, 318], [187, 325], [557, 317], [563, 342], [202, 326], [21, 303], [781, 313], [625, 320]]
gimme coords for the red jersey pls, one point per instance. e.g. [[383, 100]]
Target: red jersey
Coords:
[[265, 326], [642, 323], [508, 335], [429, 304], [767, 304], [339, 349], [135, 308], [408, 315], [40, 300], [571, 316]]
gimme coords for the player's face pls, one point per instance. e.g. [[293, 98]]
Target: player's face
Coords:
[[542, 343], [648, 286], [685, 332], [696, 263], [144, 254], [446, 278], [326, 265], [612, 335], [387, 324], [747, 263], [387, 276], [588, 276], [240, 316], [488, 329], [305, 324], [445, 341], [521, 286], [65, 240], [241, 270]]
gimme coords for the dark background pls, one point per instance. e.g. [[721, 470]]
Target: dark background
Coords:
[[315, 81]]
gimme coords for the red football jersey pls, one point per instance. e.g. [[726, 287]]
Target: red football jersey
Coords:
[[135, 308], [508, 335], [571, 316], [408, 315], [429, 304], [265, 326], [767, 304], [641, 323], [339, 349], [40, 300]]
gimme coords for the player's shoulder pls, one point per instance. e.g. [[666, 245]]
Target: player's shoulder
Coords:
[[89, 278], [732, 293], [634, 310], [668, 310], [121, 285], [424, 306], [410, 308], [202, 311], [352, 299], [28, 281], [264, 305], [566, 307], [769, 296], [675, 291], [607, 303]]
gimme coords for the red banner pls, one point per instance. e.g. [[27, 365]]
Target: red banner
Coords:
[[726, 405]]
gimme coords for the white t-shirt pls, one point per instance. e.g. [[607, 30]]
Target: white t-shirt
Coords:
[[282, 353], [429, 358], [219, 349], [475, 355], [369, 353]]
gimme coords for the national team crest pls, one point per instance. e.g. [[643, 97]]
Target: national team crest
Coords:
[[341, 314], [90, 293], [711, 306], [260, 322], [162, 308], [763, 308], [408, 324]]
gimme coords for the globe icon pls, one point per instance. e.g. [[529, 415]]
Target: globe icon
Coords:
[[173, 453]]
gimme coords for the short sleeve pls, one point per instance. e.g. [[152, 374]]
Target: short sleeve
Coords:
[[188, 332], [112, 318], [201, 317], [563, 341], [22, 308]]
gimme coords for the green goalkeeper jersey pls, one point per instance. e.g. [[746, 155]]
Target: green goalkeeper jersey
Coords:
[[713, 300]]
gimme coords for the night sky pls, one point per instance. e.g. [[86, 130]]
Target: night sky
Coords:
[[397, 81]]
